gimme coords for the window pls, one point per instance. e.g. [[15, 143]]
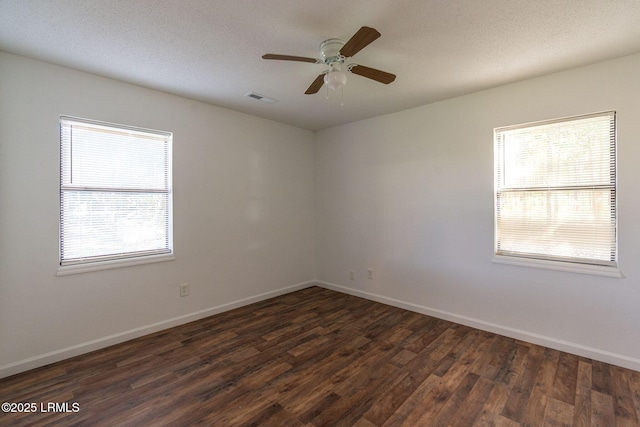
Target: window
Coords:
[[115, 193], [555, 191]]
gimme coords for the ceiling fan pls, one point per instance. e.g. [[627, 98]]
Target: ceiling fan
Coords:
[[333, 54]]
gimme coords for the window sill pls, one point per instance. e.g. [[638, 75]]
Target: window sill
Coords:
[[106, 265], [595, 270]]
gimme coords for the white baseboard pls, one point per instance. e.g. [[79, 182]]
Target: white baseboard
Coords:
[[86, 347], [556, 344]]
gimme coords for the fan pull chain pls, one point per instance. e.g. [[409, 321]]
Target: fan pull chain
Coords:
[[342, 96]]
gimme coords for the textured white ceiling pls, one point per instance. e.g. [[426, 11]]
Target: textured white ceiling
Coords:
[[211, 50]]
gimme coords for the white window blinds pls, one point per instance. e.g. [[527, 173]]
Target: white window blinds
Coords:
[[115, 191], [555, 190]]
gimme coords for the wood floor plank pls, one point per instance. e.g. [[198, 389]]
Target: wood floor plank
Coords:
[[465, 343], [454, 403], [390, 400], [582, 413], [501, 354], [602, 410], [355, 401], [601, 377], [468, 411], [490, 413], [634, 383], [434, 402], [624, 407], [524, 380], [564, 383], [409, 412], [537, 402], [558, 414], [316, 357]]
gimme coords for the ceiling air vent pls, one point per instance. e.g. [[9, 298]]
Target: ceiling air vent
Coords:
[[261, 98]]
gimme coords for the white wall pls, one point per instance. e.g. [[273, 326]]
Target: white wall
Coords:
[[410, 195], [243, 215]]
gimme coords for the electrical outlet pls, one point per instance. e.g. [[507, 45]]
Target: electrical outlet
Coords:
[[370, 273], [352, 275], [184, 290]]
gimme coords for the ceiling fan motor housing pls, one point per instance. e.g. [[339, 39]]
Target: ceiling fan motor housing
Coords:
[[330, 51]]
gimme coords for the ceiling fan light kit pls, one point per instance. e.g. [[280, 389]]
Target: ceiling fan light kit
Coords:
[[333, 53], [335, 78]]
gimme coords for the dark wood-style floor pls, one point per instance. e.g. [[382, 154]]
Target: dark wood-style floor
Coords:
[[321, 358]]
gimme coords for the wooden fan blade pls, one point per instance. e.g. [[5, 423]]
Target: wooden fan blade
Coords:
[[359, 41], [289, 58], [316, 85], [373, 74]]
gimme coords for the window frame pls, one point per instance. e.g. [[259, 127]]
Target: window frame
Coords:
[[551, 262], [109, 261]]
